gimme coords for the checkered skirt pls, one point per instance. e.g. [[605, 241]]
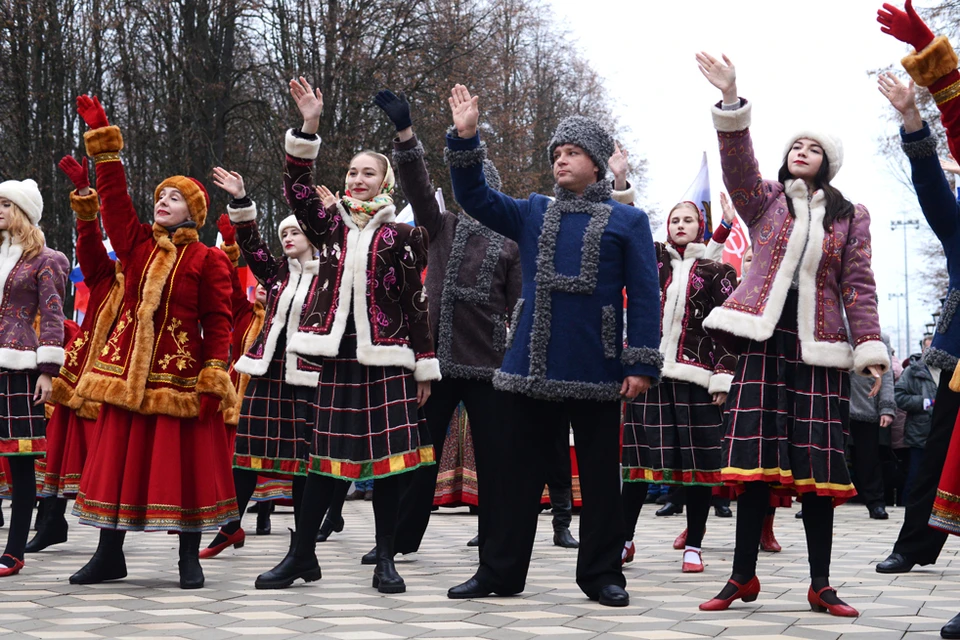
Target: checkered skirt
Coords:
[[672, 435], [786, 421], [368, 424], [23, 427], [273, 434]]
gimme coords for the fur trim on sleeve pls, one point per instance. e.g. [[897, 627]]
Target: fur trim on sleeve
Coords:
[[627, 196], [50, 355], [85, 207], [427, 369], [403, 156], [923, 148], [232, 251], [871, 352], [466, 157], [301, 147], [935, 61], [243, 214], [732, 121], [103, 140], [720, 383], [217, 381]]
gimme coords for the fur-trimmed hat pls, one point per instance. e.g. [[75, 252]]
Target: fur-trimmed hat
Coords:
[[589, 135], [832, 146], [198, 200], [289, 221], [26, 195]]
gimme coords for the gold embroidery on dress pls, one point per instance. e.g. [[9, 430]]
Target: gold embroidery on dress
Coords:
[[182, 357], [72, 353], [118, 330]]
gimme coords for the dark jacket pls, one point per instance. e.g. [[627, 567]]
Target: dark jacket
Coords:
[[916, 385], [474, 277]]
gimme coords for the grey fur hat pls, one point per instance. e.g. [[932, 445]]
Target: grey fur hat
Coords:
[[589, 135], [491, 175]]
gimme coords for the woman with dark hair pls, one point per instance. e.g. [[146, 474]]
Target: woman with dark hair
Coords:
[[788, 405]]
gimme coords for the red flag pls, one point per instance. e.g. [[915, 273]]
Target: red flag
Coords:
[[735, 246]]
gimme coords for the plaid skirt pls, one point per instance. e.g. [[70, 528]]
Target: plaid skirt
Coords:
[[786, 421], [368, 424], [273, 434], [672, 435], [23, 427]]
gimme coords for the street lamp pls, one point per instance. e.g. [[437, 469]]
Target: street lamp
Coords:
[[906, 276], [900, 346]]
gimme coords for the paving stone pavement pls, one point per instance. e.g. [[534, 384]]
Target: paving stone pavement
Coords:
[[40, 602]]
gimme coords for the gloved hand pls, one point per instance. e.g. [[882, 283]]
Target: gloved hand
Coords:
[[396, 107], [79, 173], [92, 112], [227, 232], [905, 26], [209, 406]]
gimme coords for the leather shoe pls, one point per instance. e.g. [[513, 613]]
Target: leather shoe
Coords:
[[613, 596], [474, 541], [670, 509], [101, 568], [370, 557], [952, 628], [329, 527], [472, 588], [877, 512], [563, 538], [895, 563], [723, 511]]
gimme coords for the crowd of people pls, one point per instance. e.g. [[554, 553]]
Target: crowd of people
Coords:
[[177, 400]]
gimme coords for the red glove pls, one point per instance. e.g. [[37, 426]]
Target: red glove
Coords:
[[92, 112], [78, 173], [209, 406], [227, 231], [905, 26]]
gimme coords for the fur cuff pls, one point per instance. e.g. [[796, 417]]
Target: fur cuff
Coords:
[[871, 352], [50, 355], [217, 381], [935, 61], [243, 214], [427, 369], [923, 148], [642, 355], [301, 147], [85, 207], [404, 156], [465, 158], [627, 196], [232, 251], [734, 120], [103, 140], [720, 383]]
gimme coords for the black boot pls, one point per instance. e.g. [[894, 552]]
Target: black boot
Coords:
[[40, 508], [191, 574], [52, 529], [370, 557], [561, 502], [563, 538], [263, 518], [293, 543], [385, 576], [107, 563], [300, 562], [329, 526]]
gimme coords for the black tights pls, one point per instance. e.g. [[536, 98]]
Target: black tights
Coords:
[[698, 507], [24, 482], [245, 482]]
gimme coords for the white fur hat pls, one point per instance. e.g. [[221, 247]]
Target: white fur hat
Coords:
[[26, 195], [832, 146], [289, 221]]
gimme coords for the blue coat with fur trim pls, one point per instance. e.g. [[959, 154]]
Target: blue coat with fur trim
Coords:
[[577, 255]]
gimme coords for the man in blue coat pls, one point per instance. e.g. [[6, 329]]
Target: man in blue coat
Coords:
[[567, 361]]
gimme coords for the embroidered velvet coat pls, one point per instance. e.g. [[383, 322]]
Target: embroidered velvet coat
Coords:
[[375, 272], [474, 279], [171, 340], [835, 277]]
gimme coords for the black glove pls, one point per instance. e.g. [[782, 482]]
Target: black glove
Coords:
[[396, 107]]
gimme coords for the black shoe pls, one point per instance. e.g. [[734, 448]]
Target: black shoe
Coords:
[[952, 628], [895, 563], [613, 596], [474, 541], [288, 571], [799, 515], [49, 534], [877, 512], [263, 520], [329, 526], [663, 498], [723, 511], [472, 588], [385, 576], [101, 568], [191, 573], [670, 509], [563, 538], [370, 557]]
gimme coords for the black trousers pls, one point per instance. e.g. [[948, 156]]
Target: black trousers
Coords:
[[560, 478], [868, 475], [416, 501], [918, 542], [523, 432]]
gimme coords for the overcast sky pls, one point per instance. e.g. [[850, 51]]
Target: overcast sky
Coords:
[[803, 65]]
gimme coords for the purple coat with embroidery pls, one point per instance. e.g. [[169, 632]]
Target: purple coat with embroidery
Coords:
[[835, 277]]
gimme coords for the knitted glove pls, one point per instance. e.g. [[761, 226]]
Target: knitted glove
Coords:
[[92, 112], [396, 107], [227, 232], [905, 26], [209, 406], [78, 173]]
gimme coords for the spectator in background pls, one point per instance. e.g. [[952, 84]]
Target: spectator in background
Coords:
[[915, 393]]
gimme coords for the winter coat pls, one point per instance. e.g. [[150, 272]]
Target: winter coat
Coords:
[[835, 278], [916, 385], [867, 409], [567, 339], [374, 271], [474, 279]]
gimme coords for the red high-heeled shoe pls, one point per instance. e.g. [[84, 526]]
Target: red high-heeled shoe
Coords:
[[818, 605], [10, 571], [691, 567], [747, 592], [237, 538], [629, 550], [681, 541]]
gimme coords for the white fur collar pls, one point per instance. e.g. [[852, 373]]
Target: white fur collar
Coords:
[[311, 267], [385, 215], [694, 251]]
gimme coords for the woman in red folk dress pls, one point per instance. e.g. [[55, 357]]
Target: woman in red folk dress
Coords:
[[161, 459], [32, 281]]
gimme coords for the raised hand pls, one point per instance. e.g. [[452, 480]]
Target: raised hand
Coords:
[[92, 112], [466, 111], [227, 232], [722, 75], [229, 181], [950, 165], [903, 98], [396, 107], [905, 26], [79, 173], [729, 212], [310, 103], [619, 166], [327, 197]]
